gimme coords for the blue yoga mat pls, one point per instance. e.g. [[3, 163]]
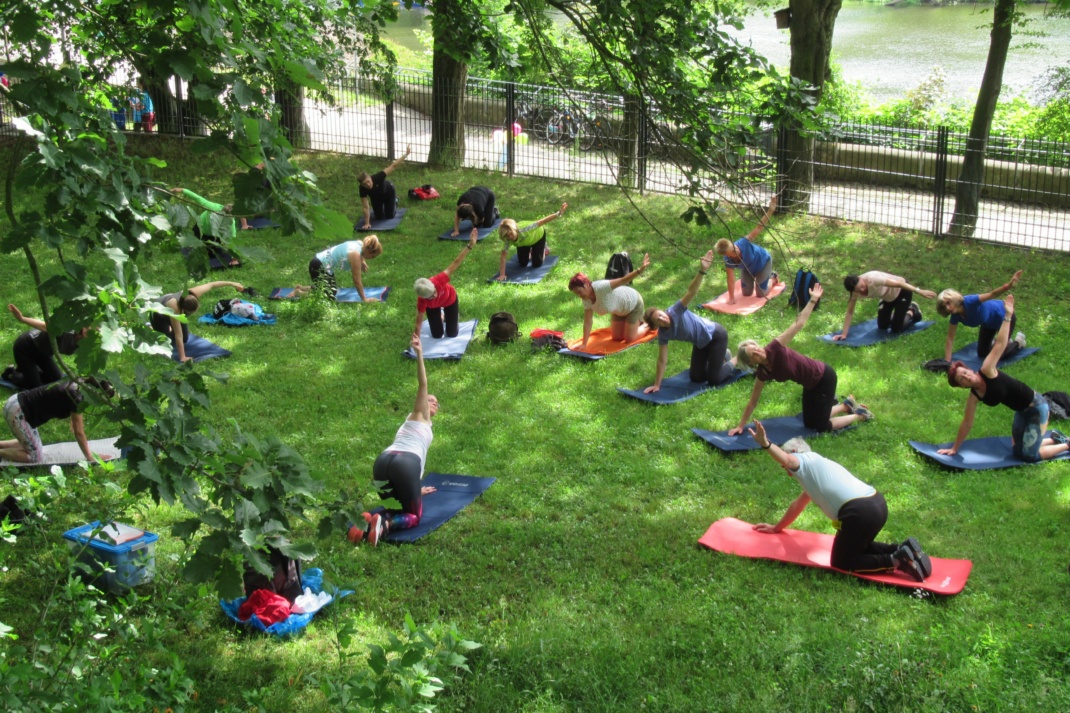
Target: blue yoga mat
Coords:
[[345, 294], [261, 221], [864, 334], [516, 275], [777, 430], [233, 320], [453, 493], [978, 454], [381, 225], [968, 356], [451, 348], [466, 229], [679, 388], [215, 263], [311, 578], [200, 349]]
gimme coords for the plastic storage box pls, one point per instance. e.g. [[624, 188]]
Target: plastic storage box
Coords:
[[125, 556]]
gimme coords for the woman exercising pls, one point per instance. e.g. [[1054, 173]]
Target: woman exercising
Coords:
[[378, 196], [754, 261], [34, 358], [475, 205], [896, 311], [708, 340], [983, 311], [185, 302], [615, 298], [992, 387], [351, 256], [776, 362], [401, 465], [530, 241], [27, 411], [436, 298]]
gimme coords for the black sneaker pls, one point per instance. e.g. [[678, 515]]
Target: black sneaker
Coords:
[[913, 544], [1059, 437], [916, 310], [918, 568]]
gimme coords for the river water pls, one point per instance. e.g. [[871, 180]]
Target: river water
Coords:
[[890, 50]]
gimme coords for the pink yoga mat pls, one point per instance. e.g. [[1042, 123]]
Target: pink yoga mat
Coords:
[[743, 305], [812, 549]]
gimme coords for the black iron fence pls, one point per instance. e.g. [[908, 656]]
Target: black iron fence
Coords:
[[861, 172]]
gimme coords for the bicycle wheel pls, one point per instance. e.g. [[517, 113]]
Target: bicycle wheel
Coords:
[[588, 131], [555, 128]]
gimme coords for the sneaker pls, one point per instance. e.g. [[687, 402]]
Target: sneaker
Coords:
[[375, 530], [1059, 437], [354, 533], [1019, 339], [913, 545], [916, 310], [917, 568]]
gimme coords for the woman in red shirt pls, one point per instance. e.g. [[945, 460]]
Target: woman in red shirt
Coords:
[[436, 297]]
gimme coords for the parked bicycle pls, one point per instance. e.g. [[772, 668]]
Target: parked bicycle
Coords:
[[598, 131], [534, 115], [562, 128]]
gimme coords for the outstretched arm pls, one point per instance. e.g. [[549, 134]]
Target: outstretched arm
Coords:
[[764, 221], [904, 285], [988, 368], [794, 510], [200, 290], [390, 169], [543, 221], [696, 281], [1002, 288], [28, 321], [815, 294], [964, 427], [464, 252], [847, 317], [752, 403], [788, 460], [421, 410], [620, 281]]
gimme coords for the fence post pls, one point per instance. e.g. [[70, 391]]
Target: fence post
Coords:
[[781, 165], [510, 119], [178, 103], [940, 181], [390, 150]]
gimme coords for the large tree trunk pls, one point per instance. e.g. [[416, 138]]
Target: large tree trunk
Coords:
[[448, 79], [812, 23], [628, 141], [968, 185], [290, 99]]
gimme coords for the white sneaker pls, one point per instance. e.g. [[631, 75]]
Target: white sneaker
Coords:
[[1019, 339]]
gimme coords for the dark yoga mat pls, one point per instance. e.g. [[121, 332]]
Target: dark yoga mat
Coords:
[[968, 356], [679, 388], [989, 453], [200, 349], [516, 275], [466, 229], [864, 334], [261, 221], [777, 430], [215, 263], [450, 348], [453, 493], [381, 225]]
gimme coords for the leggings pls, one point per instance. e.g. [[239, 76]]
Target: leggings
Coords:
[[708, 363], [322, 277], [385, 205], [817, 402], [896, 313], [435, 317], [1026, 429], [532, 253], [26, 434], [986, 339], [401, 471], [854, 549], [162, 324], [36, 368]]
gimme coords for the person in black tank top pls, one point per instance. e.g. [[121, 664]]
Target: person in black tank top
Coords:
[[991, 387], [32, 350], [27, 411]]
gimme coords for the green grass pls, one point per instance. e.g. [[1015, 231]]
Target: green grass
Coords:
[[578, 570]]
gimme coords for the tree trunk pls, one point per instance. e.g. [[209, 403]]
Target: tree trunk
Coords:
[[812, 24], [448, 79], [627, 141], [290, 99], [968, 185]]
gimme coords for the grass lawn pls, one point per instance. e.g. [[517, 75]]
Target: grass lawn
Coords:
[[578, 570]]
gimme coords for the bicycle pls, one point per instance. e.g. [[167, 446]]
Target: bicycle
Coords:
[[562, 127], [598, 131]]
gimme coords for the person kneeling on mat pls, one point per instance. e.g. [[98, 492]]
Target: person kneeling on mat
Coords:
[[214, 223], [755, 261], [476, 205], [858, 507], [378, 195], [530, 242], [401, 465], [776, 362], [27, 411], [983, 311], [896, 312], [992, 387], [351, 256], [709, 340], [186, 302], [34, 358], [615, 298], [436, 297]]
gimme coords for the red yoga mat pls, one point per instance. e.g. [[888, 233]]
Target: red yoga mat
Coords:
[[743, 305], [812, 549]]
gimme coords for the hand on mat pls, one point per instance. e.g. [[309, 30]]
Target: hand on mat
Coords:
[[735, 431], [947, 451], [652, 389], [501, 277], [428, 489], [371, 299], [839, 337], [185, 359], [758, 434], [766, 528], [100, 457], [367, 225]]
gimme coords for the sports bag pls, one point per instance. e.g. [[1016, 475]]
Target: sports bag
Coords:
[[222, 307], [800, 290], [619, 266], [502, 328], [285, 579], [425, 192], [1059, 403]]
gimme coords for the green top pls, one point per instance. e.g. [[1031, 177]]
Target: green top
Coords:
[[527, 236], [212, 222]]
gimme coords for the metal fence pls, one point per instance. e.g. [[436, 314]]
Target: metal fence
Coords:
[[862, 172]]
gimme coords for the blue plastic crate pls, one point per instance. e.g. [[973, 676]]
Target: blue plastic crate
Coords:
[[123, 564]]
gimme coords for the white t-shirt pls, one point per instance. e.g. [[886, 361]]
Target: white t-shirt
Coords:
[[877, 287], [413, 437], [619, 301], [828, 483]]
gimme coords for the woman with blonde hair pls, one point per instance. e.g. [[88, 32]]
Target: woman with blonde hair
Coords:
[[754, 261], [437, 298], [530, 241], [352, 255], [983, 311]]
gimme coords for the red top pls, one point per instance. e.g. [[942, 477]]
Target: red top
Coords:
[[445, 297], [789, 365]]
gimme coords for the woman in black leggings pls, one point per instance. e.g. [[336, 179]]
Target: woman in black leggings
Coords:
[[32, 350]]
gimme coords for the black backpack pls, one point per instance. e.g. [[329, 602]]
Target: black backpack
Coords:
[[619, 266], [502, 329], [285, 580], [548, 341], [222, 307], [1059, 403], [800, 291]]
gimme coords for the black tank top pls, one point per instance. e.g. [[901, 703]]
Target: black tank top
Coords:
[[1005, 390], [49, 402]]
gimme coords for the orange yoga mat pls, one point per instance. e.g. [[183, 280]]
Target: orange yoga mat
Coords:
[[743, 305], [812, 549], [602, 344]]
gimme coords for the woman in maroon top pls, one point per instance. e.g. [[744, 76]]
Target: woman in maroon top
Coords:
[[436, 297], [776, 362]]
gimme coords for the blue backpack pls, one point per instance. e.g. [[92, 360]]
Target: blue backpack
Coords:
[[800, 291]]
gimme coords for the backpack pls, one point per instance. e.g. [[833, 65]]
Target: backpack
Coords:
[[800, 291], [938, 366], [285, 580], [619, 266], [547, 339], [222, 307], [502, 329], [1059, 402], [425, 192]]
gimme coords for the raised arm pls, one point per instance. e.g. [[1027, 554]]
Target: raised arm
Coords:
[[847, 317], [200, 290], [28, 321], [1002, 288], [1003, 336], [199, 200], [788, 334], [553, 216], [390, 169], [752, 403], [696, 281], [764, 221], [472, 238], [421, 410], [964, 427], [788, 460], [621, 281]]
